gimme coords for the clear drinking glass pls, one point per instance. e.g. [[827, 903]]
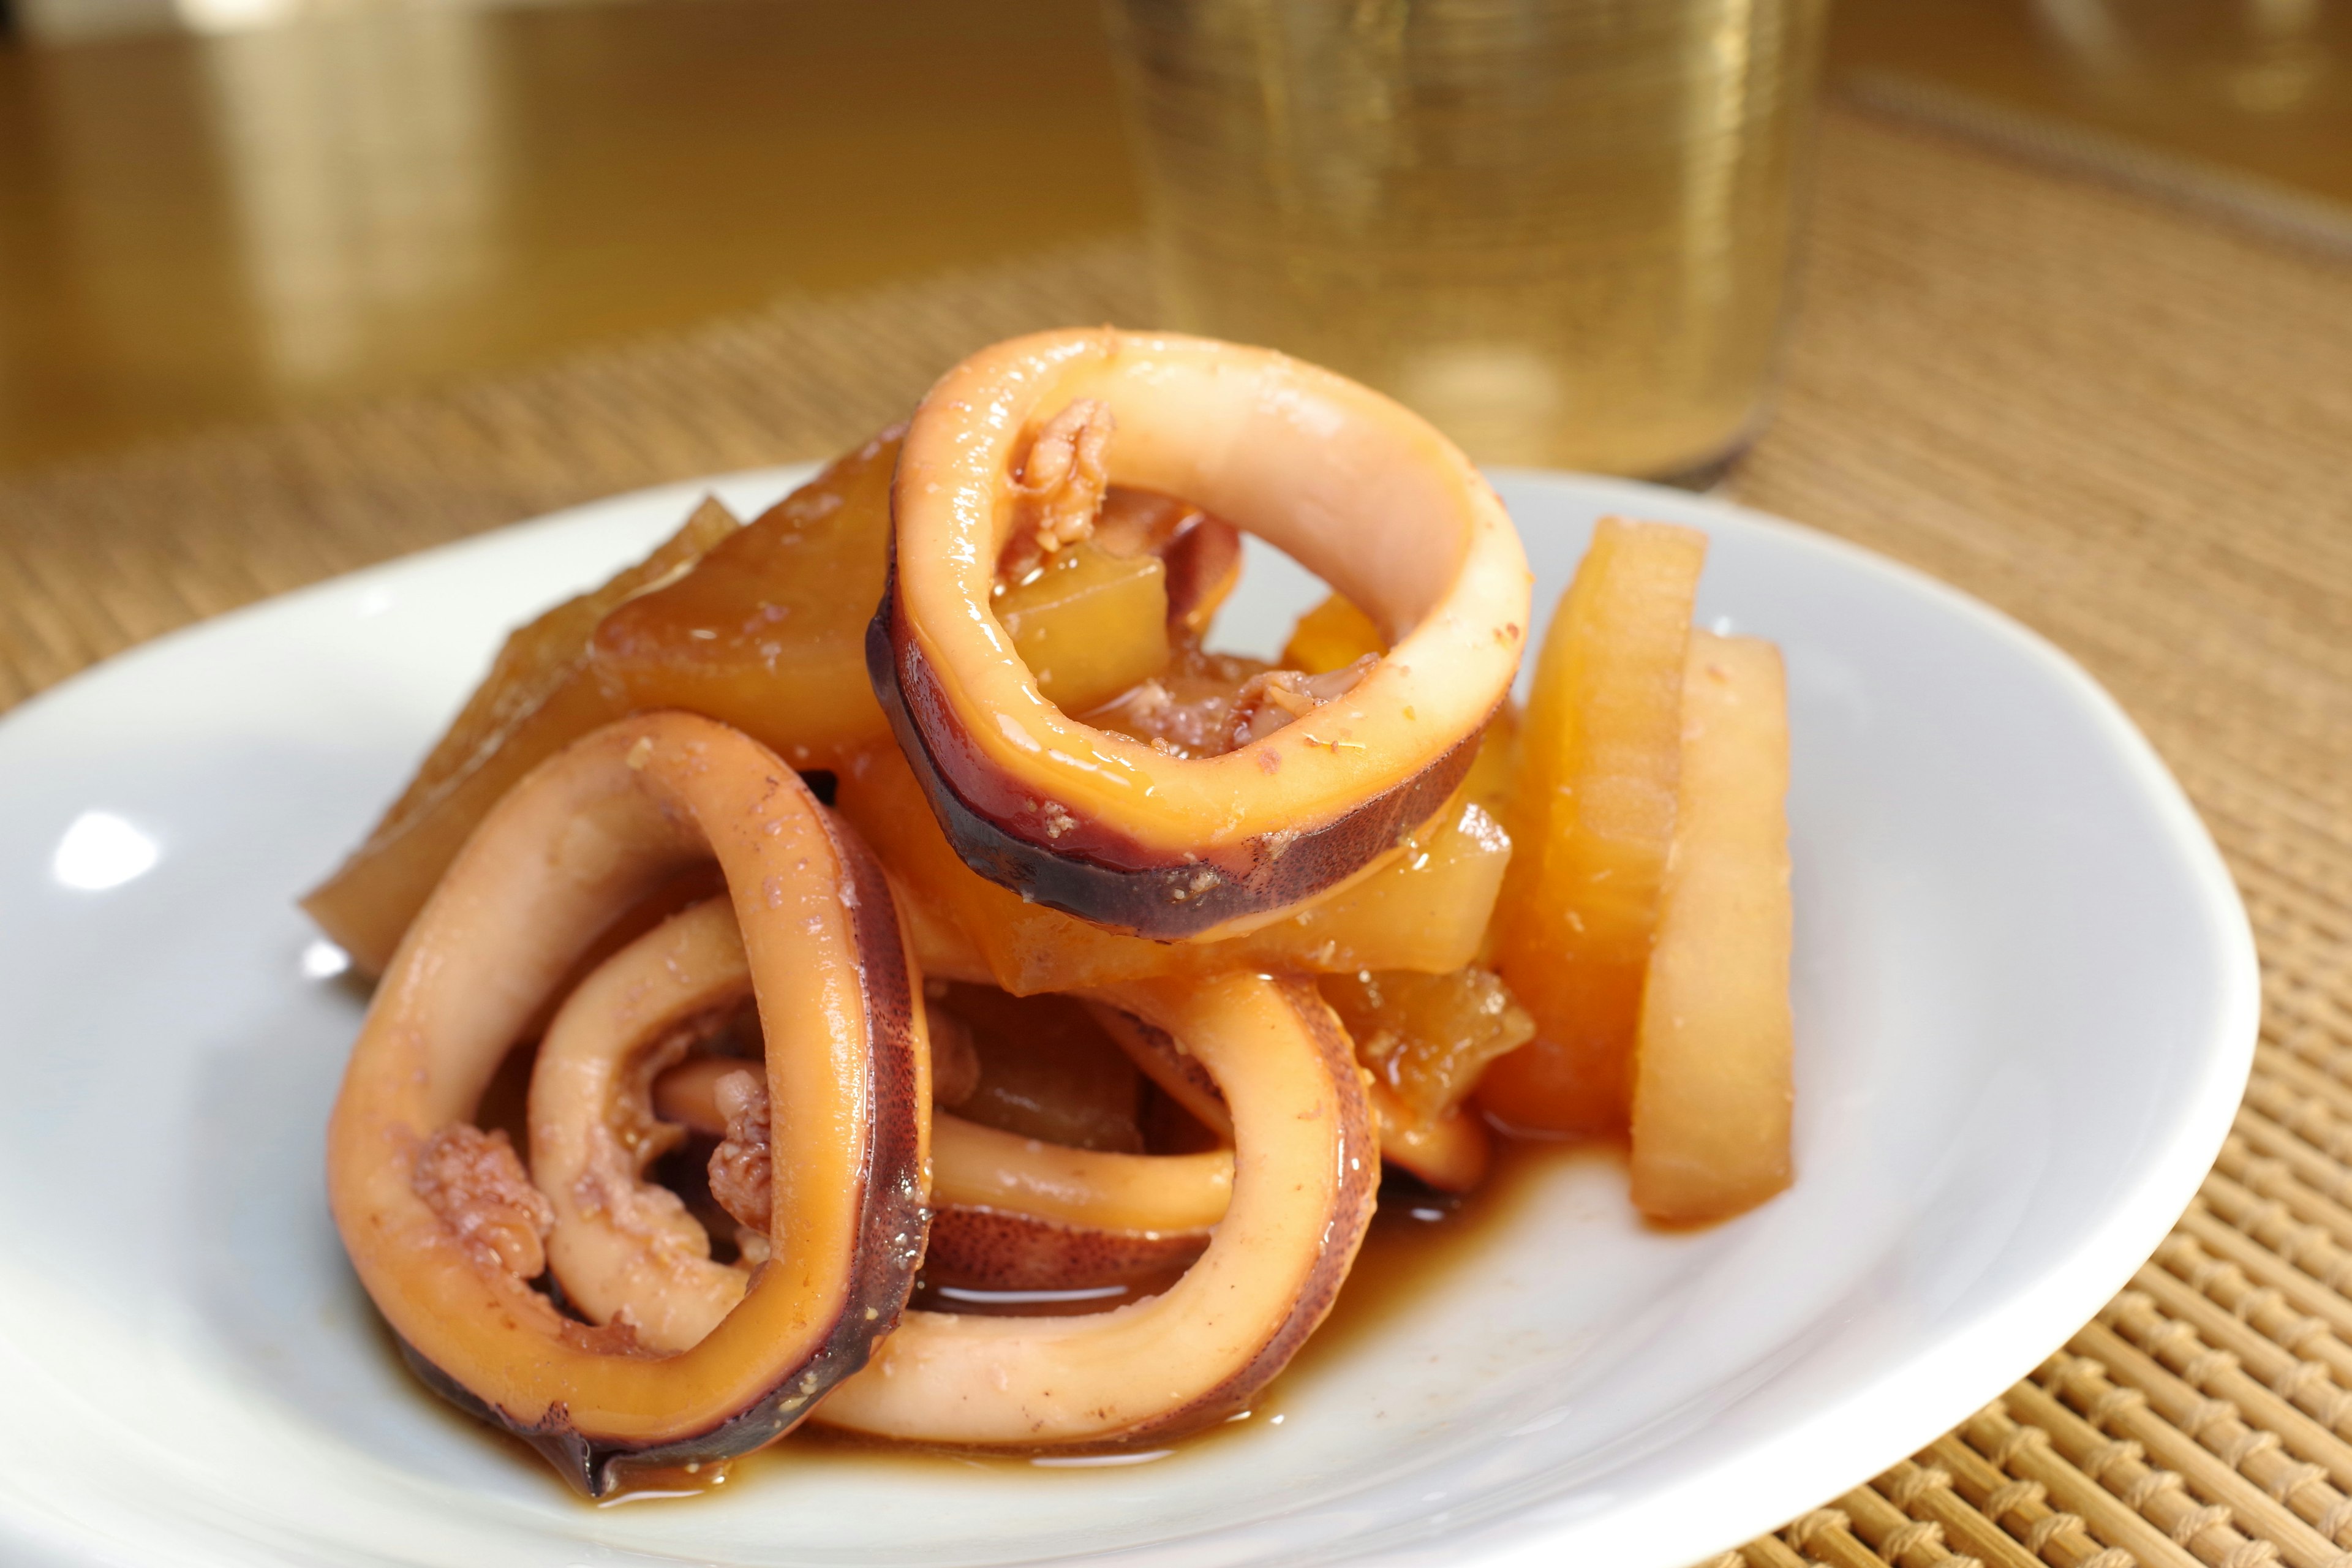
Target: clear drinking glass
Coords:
[[1557, 228]]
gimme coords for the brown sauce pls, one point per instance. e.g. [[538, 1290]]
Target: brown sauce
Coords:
[[1417, 1238], [1420, 1236]]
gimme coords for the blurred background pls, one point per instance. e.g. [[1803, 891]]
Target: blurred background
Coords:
[[219, 210]]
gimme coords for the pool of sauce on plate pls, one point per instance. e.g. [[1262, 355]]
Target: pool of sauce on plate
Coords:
[[1417, 1238]]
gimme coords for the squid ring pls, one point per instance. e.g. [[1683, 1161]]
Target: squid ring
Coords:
[[1362, 491], [1451, 1153], [1010, 1213], [1306, 1166], [442, 1226], [623, 1247], [1014, 1214]]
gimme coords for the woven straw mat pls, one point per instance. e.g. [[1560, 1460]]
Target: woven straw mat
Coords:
[[2125, 424]]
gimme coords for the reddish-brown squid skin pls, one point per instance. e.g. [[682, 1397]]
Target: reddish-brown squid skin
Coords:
[[988, 1249], [1096, 873], [1014, 1214], [570, 848], [1008, 1212], [1105, 827]]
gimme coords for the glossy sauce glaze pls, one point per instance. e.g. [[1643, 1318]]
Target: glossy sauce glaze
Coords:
[[1045, 1067], [1418, 1238]]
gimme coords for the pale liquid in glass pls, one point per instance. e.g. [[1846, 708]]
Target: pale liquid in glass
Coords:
[[1560, 231]]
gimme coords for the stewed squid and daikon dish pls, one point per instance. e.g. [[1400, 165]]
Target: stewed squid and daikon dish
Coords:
[[895, 904]]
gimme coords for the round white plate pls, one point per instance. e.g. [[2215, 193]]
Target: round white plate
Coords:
[[2025, 999]]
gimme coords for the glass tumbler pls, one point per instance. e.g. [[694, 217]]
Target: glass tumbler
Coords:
[[1560, 229]]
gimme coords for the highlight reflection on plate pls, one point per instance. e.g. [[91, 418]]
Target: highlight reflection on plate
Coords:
[[2004, 907], [100, 850]]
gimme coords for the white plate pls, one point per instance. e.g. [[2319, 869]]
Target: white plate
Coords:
[[2025, 996]]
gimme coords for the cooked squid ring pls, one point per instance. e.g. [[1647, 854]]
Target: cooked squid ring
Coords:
[[1451, 1153], [1163, 1059], [1305, 1172], [1362, 491], [1014, 1214], [623, 1248], [1010, 1212], [444, 1231]]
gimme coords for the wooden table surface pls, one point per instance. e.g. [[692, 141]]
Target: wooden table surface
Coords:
[[197, 231]]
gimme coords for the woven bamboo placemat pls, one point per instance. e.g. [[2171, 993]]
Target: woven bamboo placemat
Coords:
[[2125, 424]]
